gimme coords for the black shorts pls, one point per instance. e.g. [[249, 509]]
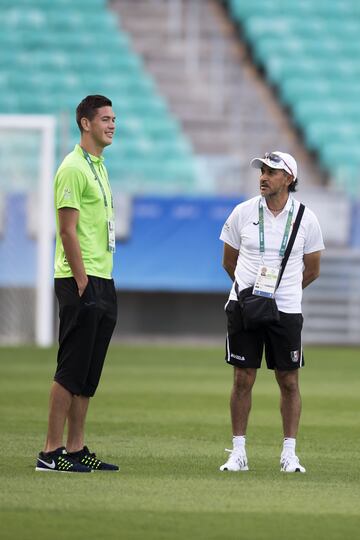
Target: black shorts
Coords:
[[86, 327], [282, 341]]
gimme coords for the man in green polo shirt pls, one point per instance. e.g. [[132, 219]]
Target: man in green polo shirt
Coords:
[[85, 243]]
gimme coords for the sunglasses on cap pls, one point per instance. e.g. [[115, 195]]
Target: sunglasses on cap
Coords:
[[270, 156]]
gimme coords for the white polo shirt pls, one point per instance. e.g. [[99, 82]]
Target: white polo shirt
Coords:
[[241, 231]]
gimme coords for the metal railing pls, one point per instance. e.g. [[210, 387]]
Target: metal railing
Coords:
[[331, 305]]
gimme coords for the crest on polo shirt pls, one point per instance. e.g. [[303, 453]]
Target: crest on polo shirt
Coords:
[[295, 356]]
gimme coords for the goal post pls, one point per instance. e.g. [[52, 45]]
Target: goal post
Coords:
[[27, 151]]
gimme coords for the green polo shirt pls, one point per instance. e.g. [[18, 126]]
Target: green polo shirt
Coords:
[[76, 187]]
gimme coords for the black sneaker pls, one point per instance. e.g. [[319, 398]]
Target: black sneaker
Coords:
[[85, 457], [59, 461]]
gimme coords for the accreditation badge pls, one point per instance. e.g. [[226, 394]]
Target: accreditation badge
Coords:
[[266, 281], [111, 235]]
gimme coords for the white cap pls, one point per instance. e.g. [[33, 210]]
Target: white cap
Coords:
[[283, 161]]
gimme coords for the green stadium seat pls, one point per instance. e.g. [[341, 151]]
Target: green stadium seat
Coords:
[[321, 133], [46, 71], [309, 52]]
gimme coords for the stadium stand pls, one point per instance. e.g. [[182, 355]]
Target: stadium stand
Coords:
[[308, 51], [193, 51], [58, 52], [168, 254]]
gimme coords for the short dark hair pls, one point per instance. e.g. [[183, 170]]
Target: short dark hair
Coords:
[[88, 106], [293, 185]]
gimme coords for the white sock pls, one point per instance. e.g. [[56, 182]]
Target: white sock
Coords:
[[239, 442], [289, 446]]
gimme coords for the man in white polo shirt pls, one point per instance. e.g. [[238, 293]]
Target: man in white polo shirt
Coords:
[[255, 236]]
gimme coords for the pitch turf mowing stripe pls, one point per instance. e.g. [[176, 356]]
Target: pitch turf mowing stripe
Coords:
[[133, 525], [162, 413]]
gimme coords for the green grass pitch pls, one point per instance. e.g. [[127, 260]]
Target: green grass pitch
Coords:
[[162, 414]]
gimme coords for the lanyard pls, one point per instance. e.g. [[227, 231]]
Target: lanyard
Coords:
[[91, 165], [286, 232]]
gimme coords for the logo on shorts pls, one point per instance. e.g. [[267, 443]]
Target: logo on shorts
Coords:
[[295, 356], [237, 357]]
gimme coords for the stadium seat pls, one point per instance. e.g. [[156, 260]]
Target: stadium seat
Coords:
[[46, 71], [309, 53]]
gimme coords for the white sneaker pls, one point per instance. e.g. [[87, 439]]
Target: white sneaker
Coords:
[[237, 461], [290, 464]]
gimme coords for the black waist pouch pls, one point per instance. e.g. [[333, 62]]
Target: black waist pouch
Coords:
[[257, 310]]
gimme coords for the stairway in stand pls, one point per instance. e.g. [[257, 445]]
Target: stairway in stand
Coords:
[[195, 55]]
